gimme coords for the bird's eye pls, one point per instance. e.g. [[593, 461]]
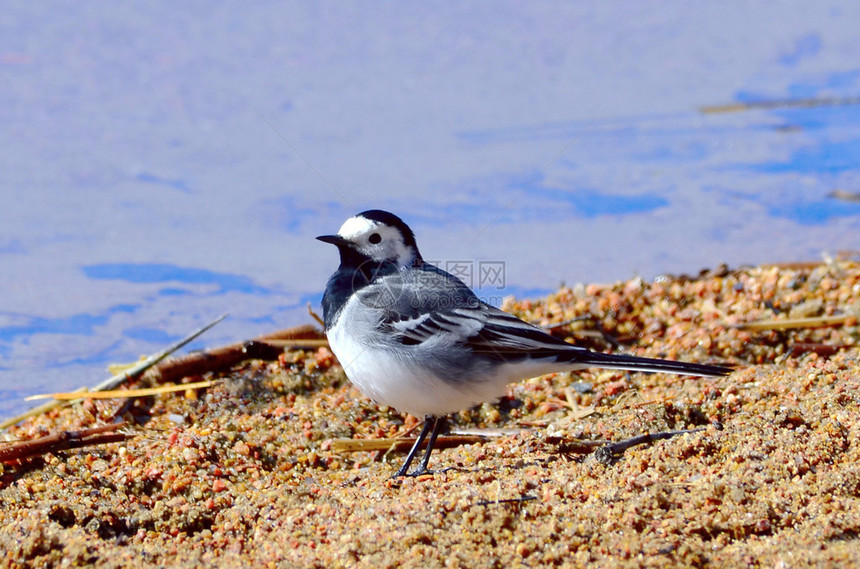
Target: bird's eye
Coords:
[[374, 238]]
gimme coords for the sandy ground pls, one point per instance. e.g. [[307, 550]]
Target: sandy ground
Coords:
[[247, 474]]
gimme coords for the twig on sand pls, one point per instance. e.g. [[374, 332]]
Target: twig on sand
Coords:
[[64, 440], [124, 393], [608, 453], [787, 323], [400, 444], [266, 347]]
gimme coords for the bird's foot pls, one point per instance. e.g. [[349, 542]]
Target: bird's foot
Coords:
[[420, 471]]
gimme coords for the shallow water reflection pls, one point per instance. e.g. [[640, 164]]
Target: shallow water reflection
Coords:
[[164, 165]]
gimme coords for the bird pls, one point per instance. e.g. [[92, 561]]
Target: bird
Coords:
[[414, 337]]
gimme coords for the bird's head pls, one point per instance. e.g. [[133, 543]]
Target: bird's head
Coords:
[[375, 236]]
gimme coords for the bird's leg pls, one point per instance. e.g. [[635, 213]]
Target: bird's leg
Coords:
[[438, 423], [429, 421]]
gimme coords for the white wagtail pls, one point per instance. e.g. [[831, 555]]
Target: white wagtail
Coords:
[[416, 338]]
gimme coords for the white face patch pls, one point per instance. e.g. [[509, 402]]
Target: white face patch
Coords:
[[355, 227], [376, 240]]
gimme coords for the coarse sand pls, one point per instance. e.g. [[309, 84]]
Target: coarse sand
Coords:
[[245, 474]]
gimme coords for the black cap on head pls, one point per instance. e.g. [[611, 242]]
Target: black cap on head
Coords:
[[390, 219]]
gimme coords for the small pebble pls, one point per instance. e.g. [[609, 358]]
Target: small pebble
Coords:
[[176, 418]]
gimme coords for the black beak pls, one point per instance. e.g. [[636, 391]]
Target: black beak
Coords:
[[333, 239]]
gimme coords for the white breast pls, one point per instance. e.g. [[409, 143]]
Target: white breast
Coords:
[[393, 375]]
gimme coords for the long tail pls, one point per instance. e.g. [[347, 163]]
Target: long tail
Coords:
[[636, 363]]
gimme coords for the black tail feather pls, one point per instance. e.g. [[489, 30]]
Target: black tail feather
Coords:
[[636, 363]]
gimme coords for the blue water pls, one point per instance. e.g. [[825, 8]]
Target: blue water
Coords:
[[165, 163]]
